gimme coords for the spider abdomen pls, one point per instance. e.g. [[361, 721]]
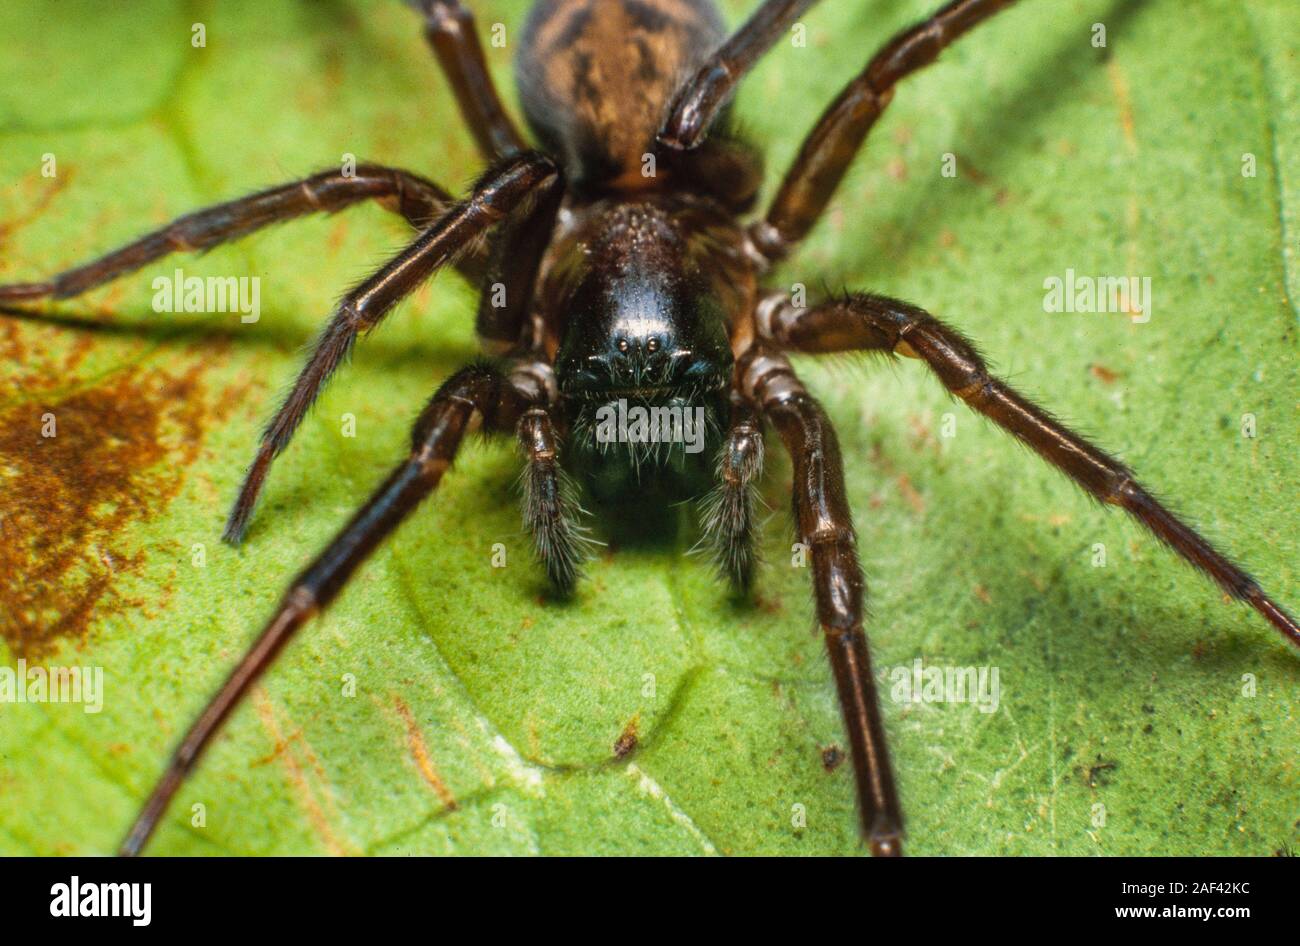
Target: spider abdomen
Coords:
[[596, 76]]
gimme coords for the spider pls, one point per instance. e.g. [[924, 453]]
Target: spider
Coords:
[[620, 268]]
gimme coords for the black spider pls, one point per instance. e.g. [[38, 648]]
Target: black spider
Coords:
[[621, 301]]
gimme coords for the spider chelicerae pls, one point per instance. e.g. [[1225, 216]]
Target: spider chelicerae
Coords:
[[621, 281]]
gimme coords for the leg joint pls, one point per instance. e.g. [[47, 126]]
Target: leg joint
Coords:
[[353, 314], [1124, 491], [447, 17], [832, 535], [300, 600]]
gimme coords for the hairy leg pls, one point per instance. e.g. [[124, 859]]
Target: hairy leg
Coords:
[[551, 508], [437, 436], [449, 28], [877, 323], [505, 304], [503, 190], [826, 527], [704, 94], [421, 202], [833, 143], [729, 514]]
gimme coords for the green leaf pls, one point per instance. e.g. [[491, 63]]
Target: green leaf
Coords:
[[1121, 686]]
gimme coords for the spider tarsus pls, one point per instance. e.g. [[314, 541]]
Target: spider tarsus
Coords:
[[26, 291], [132, 846], [237, 524], [728, 514], [551, 515], [562, 578], [233, 533], [148, 819], [242, 511], [727, 526], [562, 546]]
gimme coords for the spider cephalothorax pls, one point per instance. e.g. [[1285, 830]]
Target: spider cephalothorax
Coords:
[[621, 280], [648, 291]]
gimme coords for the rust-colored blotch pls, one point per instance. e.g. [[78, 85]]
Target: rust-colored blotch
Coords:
[[117, 455]]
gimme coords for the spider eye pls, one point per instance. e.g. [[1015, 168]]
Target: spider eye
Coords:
[[652, 345], [622, 345]]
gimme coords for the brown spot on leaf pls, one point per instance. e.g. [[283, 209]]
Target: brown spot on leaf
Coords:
[[909, 493], [1119, 85], [1103, 374], [420, 753], [1094, 771], [625, 744], [39, 192], [921, 433], [971, 171], [832, 756], [116, 455], [293, 769]]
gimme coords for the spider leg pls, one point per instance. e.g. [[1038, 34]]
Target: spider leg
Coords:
[[449, 28], [704, 94], [501, 191], [516, 258], [826, 527], [416, 199], [876, 323], [728, 514], [437, 435], [550, 505], [835, 140]]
